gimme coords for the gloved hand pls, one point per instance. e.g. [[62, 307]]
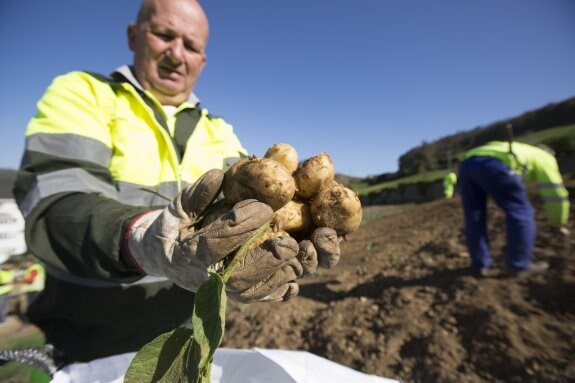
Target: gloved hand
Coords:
[[320, 250], [166, 243], [277, 257], [267, 273]]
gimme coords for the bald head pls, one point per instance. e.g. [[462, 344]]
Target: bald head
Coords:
[[169, 41], [148, 8]]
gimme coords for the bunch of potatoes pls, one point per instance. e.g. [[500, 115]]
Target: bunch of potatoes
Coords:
[[303, 196]]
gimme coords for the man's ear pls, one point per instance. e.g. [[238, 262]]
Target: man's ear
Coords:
[[131, 31]]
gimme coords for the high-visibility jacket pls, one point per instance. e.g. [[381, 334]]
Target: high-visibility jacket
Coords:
[[533, 164], [6, 279], [449, 182], [93, 146], [33, 278]]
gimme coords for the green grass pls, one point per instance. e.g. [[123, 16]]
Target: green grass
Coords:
[[364, 189], [552, 137]]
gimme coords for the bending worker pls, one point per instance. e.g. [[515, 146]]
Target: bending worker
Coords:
[[121, 266], [498, 170]]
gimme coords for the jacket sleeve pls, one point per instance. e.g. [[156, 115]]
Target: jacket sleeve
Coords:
[[552, 190], [74, 222]]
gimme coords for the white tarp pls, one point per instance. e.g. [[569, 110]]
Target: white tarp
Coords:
[[234, 366], [282, 366]]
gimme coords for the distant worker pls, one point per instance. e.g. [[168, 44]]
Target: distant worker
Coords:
[[32, 281], [6, 286], [449, 182], [498, 170]]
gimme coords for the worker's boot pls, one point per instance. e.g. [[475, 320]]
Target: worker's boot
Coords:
[[533, 269]]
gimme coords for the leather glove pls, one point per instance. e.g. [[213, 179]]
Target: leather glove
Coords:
[[320, 250], [166, 242], [267, 273], [269, 270]]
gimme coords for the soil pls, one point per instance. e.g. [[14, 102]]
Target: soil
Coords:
[[403, 304]]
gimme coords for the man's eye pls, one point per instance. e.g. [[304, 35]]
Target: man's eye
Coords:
[[190, 47], [163, 36]]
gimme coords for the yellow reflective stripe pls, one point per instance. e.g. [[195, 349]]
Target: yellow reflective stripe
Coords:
[[70, 146], [67, 180]]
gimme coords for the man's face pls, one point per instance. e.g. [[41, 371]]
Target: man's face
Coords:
[[169, 49]]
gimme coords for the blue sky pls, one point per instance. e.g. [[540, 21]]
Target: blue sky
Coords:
[[364, 80]]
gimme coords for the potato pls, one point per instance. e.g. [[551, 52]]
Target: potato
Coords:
[[337, 207], [295, 216], [263, 179], [285, 154], [313, 174]]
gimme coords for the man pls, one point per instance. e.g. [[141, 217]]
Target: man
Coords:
[[32, 280], [100, 155], [498, 170]]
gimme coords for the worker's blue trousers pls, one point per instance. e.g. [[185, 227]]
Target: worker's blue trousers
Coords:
[[480, 177]]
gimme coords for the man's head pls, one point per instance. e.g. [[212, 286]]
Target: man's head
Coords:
[[169, 41]]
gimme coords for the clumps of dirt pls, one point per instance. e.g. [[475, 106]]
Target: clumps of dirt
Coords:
[[402, 304]]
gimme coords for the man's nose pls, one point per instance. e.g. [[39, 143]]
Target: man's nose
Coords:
[[176, 51]]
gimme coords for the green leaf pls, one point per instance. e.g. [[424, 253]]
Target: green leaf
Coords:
[[185, 355], [165, 359], [208, 323]]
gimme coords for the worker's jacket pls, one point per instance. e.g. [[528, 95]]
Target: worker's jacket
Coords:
[[33, 278], [6, 281], [99, 152], [449, 182], [533, 164]]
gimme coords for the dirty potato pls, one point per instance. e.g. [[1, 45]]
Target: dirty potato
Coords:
[[263, 179], [313, 173], [285, 154], [337, 207], [295, 216]]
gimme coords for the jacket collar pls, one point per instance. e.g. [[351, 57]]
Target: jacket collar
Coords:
[[126, 71]]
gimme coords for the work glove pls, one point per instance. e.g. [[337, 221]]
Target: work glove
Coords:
[[173, 243], [320, 250]]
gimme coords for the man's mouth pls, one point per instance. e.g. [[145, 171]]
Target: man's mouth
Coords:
[[169, 71]]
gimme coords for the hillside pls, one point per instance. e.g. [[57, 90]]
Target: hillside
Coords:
[[440, 153]]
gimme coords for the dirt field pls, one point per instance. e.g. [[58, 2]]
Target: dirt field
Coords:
[[401, 304]]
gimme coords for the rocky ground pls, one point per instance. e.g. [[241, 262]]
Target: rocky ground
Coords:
[[401, 304]]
